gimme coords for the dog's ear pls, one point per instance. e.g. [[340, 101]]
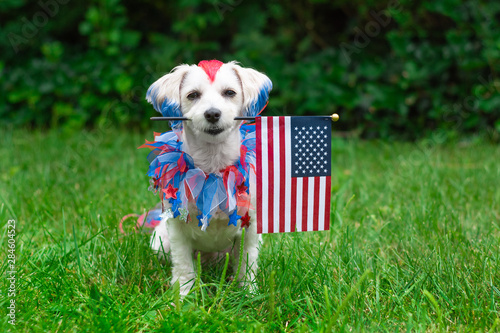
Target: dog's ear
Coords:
[[256, 87], [164, 94]]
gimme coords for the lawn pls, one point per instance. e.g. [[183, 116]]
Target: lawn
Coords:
[[414, 243]]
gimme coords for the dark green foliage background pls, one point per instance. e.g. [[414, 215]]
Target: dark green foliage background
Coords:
[[390, 68]]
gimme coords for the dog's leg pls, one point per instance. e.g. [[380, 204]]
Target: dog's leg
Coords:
[[181, 254], [249, 261], [159, 240]]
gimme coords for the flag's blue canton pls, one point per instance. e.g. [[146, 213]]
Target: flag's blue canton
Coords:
[[311, 146]]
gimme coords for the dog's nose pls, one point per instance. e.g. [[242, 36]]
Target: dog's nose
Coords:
[[212, 115]]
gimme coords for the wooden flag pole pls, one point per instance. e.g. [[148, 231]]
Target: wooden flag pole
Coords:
[[335, 117]]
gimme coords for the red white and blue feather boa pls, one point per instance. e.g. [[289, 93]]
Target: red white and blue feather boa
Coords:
[[179, 181]]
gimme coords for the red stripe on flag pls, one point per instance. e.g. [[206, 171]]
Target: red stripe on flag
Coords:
[[328, 203], [293, 204], [258, 149], [316, 204], [282, 172], [270, 175], [305, 185]]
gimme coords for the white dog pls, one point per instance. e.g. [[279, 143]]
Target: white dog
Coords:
[[211, 95]]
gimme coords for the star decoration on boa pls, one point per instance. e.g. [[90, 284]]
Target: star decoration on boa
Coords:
[[178, 181]]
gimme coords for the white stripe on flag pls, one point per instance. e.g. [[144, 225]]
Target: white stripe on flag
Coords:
[[265, 171], [310, 204], [299, 204], [322, 187]]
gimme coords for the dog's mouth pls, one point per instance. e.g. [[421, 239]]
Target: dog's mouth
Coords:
[[214, 130]]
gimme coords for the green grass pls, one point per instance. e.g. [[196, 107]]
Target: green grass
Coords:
[[423, 218]]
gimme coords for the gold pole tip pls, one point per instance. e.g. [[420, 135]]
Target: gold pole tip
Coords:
[[335, 117]]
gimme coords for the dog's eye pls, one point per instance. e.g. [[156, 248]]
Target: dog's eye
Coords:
[[193, 95], [229, 93]]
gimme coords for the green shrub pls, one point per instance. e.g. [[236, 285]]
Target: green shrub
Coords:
[[390, 68]]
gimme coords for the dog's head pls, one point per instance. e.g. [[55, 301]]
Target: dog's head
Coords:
[[211, 94]]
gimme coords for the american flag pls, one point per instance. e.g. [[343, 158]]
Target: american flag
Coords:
[[293, 174]]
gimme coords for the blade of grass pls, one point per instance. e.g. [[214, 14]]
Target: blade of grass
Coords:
[[77, 252], [272, 295], [64, 231], [222, 279], [494, 326], [436, 307], [177, 296]]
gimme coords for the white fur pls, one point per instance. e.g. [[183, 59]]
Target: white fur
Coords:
[[211, 153]]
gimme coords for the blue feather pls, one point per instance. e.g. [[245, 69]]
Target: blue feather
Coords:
[[256, 106], [152, 95], [167, 108], [172, 109]]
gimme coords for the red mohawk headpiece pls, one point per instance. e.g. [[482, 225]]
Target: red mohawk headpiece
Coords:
[[211, 67]]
